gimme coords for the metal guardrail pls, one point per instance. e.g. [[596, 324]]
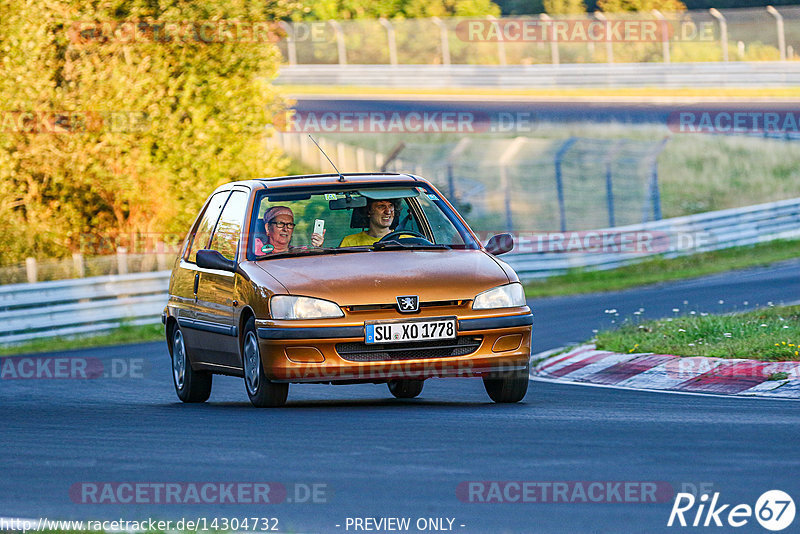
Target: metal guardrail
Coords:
[[671, 238], [86, 305], [732, 74], [79, 306]]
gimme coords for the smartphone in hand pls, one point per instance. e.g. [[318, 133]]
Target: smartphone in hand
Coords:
[[319, 226]]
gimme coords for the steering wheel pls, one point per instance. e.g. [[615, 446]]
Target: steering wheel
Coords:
[[398, 233]]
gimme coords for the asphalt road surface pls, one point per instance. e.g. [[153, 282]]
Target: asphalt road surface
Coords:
[[371, 456]]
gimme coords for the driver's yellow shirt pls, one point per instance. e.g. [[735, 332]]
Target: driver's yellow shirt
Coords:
[[358, 240]]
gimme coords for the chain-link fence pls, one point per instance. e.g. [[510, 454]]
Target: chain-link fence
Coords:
[[521, 183], [750, 34]]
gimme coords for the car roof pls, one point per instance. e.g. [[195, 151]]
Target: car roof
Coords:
[[333, 179]]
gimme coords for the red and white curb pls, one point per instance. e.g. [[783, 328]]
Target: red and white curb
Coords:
[[671, 373]]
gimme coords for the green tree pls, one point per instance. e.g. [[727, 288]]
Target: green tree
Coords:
[[564, 7], [665, 6], [174, 119]]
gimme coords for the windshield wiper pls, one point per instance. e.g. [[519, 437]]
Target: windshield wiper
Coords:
[[397, 245], [314, 251]]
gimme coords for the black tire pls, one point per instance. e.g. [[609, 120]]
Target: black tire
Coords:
[[509, 386], [190, 385], [263, 393], [405, 389]]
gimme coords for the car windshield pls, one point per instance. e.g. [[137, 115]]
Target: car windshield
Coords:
[[357, 219]]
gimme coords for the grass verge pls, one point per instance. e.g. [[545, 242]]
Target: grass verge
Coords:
[[769, 334], [120, 336], [656, 270]]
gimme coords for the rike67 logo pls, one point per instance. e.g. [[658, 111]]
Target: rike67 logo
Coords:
[[774, 510]]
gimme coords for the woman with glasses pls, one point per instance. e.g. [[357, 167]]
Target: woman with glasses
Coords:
[[279, 225]]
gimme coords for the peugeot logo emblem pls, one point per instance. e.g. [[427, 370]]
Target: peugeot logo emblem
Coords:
[[408, 304]]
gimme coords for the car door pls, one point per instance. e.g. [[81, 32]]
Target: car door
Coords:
[[217, 289], [188, 277]]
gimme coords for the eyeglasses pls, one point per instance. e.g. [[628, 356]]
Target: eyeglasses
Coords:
[[282, 225]]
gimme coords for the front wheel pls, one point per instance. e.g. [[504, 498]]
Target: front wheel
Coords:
[[508, 386], [263, 393], [190, 385], [406, 389]]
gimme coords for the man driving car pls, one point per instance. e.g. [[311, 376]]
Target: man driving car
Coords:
[[380, 216]]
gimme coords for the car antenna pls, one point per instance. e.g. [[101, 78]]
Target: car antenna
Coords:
[[341, 176]]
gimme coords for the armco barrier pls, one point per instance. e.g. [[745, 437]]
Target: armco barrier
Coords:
[[83, 305], [672, 75], [672, 237], [68, 307]]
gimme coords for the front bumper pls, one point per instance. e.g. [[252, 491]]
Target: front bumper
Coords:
[[309, 354]]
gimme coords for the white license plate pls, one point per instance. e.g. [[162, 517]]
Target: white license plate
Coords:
[[398, 332]]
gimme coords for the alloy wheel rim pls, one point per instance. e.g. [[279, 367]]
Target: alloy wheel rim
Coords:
[[178, 359], [251, 363]]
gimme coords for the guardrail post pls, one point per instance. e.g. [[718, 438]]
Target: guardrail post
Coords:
[[291, 47], [781, 33], [664, 35], [609, 45], [337, 30], [560, 182], [452, 157], [390, 39], [122, 260], [444, 40], [501, 43], [31, 269], [78, 265], [723, 32], [554, 57]]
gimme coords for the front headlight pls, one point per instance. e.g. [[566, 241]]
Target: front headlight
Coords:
[[289, 307], [507, 296]]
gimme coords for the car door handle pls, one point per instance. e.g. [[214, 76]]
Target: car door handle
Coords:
[[196, 282]]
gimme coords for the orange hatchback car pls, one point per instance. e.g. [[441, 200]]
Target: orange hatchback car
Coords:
[[342, 279]]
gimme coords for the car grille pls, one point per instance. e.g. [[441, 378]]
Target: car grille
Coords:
[[362, 352]]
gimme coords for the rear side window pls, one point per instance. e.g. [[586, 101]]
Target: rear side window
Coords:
[[199, 240], [229, 227]]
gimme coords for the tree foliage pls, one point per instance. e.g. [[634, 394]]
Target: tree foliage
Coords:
[[358, 9], [162, 122], [564, 7], [665, 6]]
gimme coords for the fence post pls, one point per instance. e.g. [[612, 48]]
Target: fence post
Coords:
[[451, 157], [560, 182], [723, 32], [390, 39], [609, 45], [554, 57], [444, 40], [337, 29], [122, 260], [655, 193], [291, 48], [781, 33], [610, 183], [505, 157], [161, 256], [31, 270], [501, 43], [78, 265], [664, 35]]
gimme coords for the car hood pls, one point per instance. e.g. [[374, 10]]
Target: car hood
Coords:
[[377, 277]]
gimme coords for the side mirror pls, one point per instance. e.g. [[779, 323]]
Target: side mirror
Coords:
[[212, 259], [498, 244]]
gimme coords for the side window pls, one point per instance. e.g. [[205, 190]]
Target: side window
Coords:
[[201, 236], [229, 227]]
